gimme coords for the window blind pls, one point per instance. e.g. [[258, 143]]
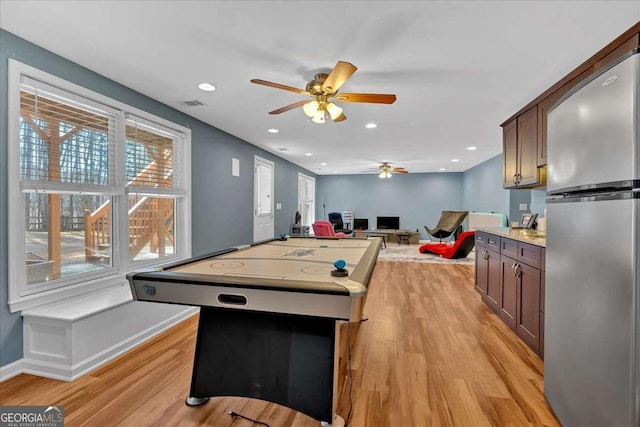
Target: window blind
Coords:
[[151, 158], [65, 145]]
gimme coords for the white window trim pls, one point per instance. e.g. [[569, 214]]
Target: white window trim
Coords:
[[114, 276]]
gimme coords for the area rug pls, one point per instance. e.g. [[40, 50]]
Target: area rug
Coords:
[[409, 253]]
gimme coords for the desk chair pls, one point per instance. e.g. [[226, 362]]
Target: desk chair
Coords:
[[450, 222], [335, 218], [460, 249], [323, 228]]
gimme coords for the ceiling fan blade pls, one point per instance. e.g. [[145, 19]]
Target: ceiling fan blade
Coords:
[[279, 86], [400, 171], [289, 107], [376, 98], [340, 118], [340, 74]]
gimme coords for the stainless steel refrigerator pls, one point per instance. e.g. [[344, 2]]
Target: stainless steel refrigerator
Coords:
[[592, 301]]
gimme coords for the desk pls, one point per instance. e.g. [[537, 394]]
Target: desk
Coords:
[[268, 321]]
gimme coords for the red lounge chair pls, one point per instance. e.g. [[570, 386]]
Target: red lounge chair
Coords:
[[460, 249], [323, 228]]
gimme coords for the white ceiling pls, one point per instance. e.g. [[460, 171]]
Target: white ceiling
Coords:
[[459, 69]]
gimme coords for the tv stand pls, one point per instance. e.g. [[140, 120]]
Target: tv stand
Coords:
[[392, 236]]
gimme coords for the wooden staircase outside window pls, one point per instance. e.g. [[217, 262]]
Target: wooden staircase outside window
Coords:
[[151, 221]]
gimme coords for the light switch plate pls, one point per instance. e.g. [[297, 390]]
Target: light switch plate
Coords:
[[235, 167], [278, 205], [523, 206]]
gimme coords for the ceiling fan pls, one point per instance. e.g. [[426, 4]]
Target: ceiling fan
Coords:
[[386, 170], [323, 91]]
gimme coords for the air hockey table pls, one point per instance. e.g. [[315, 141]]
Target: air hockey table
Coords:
[[269, 313]]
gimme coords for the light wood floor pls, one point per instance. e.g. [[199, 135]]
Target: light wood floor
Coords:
[[431, 354]]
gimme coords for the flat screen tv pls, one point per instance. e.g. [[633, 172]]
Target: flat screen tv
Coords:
[[361, 223], [388, 222]]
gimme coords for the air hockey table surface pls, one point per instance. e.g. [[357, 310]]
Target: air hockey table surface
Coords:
[[291, 276]]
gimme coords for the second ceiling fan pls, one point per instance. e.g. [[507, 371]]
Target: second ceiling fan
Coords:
[[386, 170], [323, 90]]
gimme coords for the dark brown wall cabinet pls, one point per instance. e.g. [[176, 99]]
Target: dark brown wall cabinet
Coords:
[[510, 281], [520, 151], [525, 133]]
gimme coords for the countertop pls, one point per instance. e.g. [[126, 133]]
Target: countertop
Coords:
[[519, 234]]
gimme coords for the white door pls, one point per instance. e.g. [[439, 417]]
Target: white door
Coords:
[[262, 199]]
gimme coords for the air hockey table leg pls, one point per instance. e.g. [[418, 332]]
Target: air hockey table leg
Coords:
[[195, 401], [338, 421]]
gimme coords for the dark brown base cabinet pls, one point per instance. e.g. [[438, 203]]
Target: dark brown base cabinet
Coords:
[[511, 283], [528, 305], [508, 292], [488, 269]]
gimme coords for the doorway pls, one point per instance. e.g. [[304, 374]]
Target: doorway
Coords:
[[263, 221]]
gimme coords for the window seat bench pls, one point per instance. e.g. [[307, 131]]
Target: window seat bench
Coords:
[[66, 340]]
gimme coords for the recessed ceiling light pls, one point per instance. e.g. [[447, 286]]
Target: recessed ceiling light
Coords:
[[455, 160], [323, 164], [472, 148], [207, 87], [371, 125], [272, 130], [283, 149], [308, 154], [443, 169]]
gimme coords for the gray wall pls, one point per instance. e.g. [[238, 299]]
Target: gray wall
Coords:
[[518, 197], [482, 188], [418, 198], [222, 205]]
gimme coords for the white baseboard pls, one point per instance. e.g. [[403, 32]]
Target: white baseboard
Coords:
[[65, 372], [11, 370]]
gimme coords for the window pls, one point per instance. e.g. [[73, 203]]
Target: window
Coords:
[[152, 188], [96, 189], [306, 199]]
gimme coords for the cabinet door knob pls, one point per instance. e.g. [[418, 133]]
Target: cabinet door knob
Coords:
[[515, 179]]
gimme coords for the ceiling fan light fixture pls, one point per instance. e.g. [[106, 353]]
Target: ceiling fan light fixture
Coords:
[[333, 110], [385, 175], [319, 117], [311, 108], [323, 88]]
